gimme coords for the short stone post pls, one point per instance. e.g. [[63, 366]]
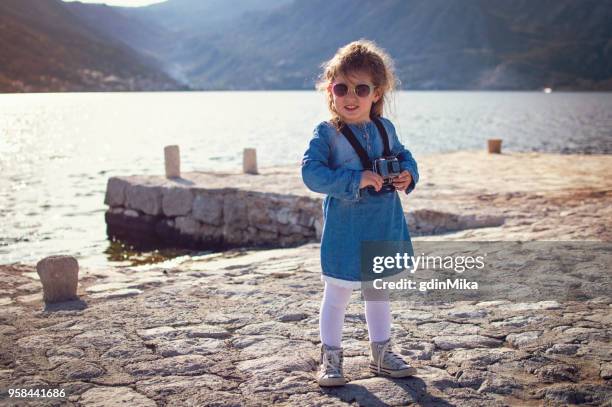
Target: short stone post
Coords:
[[494, 145], [59, 276], [249, 161], [172, 160]]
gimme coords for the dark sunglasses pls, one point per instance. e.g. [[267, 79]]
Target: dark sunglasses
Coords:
[[362, 90]]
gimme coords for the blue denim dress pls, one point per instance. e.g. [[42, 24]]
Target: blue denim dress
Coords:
[[350, 215]]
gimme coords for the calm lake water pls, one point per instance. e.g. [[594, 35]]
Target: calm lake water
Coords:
[[58, 150]]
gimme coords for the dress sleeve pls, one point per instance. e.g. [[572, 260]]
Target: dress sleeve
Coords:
[[339, 183], [407, 162]]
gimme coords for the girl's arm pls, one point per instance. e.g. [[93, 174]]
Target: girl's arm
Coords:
[[340, 183], [407, 162]]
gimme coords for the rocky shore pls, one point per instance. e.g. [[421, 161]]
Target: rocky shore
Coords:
[[241, 327]]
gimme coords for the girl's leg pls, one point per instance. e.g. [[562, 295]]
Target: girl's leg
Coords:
[[378, 317], [333, 308], [383, 361]]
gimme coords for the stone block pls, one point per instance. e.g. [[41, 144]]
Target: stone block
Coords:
[[59, 276], [208, 208], [176, 201], [146, 199], [235, 211], [115, 192]]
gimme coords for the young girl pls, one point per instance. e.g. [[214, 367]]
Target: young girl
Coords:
[[357, 207]]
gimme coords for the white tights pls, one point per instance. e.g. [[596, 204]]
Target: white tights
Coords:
[[333, 308]]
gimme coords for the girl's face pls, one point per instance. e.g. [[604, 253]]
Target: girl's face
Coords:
[[350, 107]]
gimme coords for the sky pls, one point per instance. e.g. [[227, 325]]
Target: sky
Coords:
[[127, 3]]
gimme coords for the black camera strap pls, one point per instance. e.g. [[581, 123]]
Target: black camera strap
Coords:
[[361, 152], [383, 134]]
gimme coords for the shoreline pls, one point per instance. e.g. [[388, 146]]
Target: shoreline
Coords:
[[511, 196], [540, 90], [530, 190]]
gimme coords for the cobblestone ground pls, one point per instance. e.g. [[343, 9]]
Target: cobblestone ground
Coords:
[[241, 328]]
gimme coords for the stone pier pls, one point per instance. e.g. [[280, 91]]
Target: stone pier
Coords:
[[196, 217], [224, 210]]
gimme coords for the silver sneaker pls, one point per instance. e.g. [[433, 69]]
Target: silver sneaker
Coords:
[[385, 362], [330, 373]]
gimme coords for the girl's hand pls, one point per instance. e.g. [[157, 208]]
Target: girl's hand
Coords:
[[402, 181], [368, 178]]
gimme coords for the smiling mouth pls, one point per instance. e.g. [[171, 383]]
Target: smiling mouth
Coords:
[[351, 108]]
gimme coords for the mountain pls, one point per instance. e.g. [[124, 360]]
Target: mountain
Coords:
[[437, 44], [44, 46], [191, 15], [112, 22], [280, 44]]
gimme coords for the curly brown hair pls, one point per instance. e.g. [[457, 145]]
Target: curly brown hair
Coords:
[[359, 56]]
